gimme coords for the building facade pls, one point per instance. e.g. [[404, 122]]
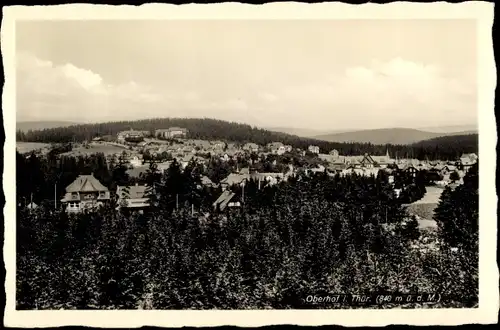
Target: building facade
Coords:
[[130, 136], [132, 197], [172, 132], [85, 193], [313, 149]]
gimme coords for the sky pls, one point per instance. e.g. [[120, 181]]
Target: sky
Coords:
[[313, 74]]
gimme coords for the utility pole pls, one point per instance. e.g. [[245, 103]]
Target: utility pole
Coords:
[[177, 201], [243, 194], [55, 196]]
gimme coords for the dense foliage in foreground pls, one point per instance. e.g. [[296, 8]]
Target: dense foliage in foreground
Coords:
[[304, 237], [211, 129]]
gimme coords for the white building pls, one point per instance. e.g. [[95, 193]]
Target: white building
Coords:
[[313, 149]]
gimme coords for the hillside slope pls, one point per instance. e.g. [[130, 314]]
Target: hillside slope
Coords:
[[304, 132], [385, 136], [25, 126]]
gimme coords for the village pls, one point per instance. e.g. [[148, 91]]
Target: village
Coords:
[[137, 150], [182, 161]]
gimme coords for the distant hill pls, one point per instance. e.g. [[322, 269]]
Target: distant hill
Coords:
[[386, 136], [304, 132], [39, 125], [467, 141], [451, 129]]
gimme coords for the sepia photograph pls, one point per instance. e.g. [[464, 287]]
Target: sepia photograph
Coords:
[[212, 163]]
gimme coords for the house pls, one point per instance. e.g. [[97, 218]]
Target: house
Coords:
[[130, 136], [268, 178], [227, 199], [32, 206], [251, 147], [467, 160], [234, 179], [410, 169], [368, 161], [172, 132], [383, 161], [132, 197], [245, 170], [205, 181], [313, 149], [276, 148], [86, 192], [288, 148]]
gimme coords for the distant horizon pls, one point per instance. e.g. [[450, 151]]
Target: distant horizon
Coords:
[[321, 131]]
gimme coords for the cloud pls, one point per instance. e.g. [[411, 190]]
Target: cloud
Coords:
[[48, 91], [85, 78], [395, 93], [384, 94]]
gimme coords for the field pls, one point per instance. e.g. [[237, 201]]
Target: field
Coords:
[[106, 149], [424, 208], [26, 147]]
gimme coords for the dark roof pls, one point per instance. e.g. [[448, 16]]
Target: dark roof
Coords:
[[134, 192], [87, 183]]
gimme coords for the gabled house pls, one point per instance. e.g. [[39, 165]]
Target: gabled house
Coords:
[[205, 181], [130, 136], [227, 199], [410, 169], [368, 161], [86, 192], [132, 197]]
